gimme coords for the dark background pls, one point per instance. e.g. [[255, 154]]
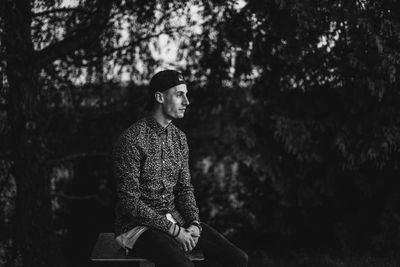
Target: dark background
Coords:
[[293, 126]]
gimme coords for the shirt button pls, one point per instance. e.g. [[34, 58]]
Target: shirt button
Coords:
[[163, 161], [163, 196]]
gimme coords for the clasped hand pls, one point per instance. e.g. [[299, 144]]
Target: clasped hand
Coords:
[[188, 238]]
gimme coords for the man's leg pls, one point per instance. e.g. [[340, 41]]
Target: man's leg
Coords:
[[161, 249], [217, 248]]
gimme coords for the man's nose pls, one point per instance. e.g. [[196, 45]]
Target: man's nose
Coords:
[[186, 101]]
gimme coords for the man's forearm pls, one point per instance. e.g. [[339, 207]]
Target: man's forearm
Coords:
[[186, 203], [143, 214]]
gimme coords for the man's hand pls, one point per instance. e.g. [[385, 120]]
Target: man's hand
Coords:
[[186, 239], [194, 232]]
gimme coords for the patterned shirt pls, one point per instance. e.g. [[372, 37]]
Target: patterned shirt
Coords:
[[151, 167]]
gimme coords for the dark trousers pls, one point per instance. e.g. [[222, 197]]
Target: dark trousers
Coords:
[[164, 250]]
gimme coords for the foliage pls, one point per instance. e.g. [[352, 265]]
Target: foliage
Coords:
[[302, 97], [293, 125], [56, 53]]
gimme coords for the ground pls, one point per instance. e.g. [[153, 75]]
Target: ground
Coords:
[[261, 258]]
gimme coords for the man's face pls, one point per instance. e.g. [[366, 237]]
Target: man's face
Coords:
[[175, 102]]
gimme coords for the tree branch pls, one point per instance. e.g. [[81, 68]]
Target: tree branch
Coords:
[[137, 40], [3, 107], [97, 113], [83, 37], [77, 156], [59, 10], [5, 155], [104, 203], [69, 197]]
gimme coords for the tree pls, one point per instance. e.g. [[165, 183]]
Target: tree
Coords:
[[24, 64], [293, 108], [303, 99], [48, 46]]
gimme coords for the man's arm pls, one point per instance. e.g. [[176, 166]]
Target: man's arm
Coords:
[[126, 160], [184, 196]]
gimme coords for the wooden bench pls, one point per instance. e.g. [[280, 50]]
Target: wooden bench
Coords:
[[107, 250]]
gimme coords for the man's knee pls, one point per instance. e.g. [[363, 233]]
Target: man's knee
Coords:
[[181, 262], [242, 258]]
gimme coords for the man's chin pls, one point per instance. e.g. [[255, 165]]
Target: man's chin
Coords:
[[177, 116]]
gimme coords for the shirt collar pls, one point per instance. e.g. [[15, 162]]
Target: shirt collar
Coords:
[[157, 128]]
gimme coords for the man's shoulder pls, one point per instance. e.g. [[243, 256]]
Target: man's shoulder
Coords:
[[182, 140], [137, 127], [130, 139], [178, 131], [133, 133]]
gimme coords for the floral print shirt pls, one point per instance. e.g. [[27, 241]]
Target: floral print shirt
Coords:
[[151, 168]]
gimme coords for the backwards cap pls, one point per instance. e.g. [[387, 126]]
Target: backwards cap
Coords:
[[165, 79]]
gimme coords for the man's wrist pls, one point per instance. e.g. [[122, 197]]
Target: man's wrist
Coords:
[[197, 224], [194, 222]]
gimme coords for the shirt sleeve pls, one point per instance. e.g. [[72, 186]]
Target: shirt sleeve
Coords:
[[184, 192], [126, 163]]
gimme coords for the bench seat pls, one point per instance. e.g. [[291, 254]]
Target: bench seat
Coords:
[[107, 249]]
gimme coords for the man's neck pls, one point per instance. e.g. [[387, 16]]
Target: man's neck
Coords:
[[160, 118]]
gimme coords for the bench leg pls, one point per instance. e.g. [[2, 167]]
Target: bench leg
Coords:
[[146, 264]]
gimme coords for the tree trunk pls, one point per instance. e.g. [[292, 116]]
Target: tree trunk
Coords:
[[34, 225], [36, 242]]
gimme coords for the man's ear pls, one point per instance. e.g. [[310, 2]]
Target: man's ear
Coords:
[[159, 97]]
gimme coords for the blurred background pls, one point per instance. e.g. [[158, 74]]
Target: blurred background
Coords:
[[293, 127]]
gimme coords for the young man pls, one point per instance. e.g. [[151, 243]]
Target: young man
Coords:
[[156, 212]]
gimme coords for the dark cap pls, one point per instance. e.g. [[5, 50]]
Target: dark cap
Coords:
[[165, 79]]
